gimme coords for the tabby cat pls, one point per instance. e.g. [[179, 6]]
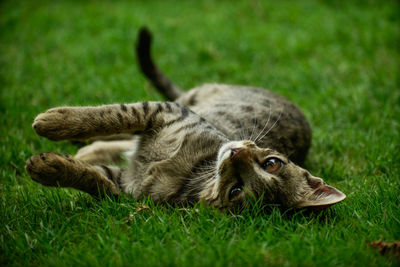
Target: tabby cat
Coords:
[[221, 144]]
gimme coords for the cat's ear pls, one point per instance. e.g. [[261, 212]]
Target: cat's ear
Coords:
[[321, 195]]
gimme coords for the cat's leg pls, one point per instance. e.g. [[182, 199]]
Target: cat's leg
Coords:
[[77, 123], [105, 152], [52, 169]]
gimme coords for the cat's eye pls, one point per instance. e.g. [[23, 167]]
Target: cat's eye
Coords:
[[272, 165], [235, 191]]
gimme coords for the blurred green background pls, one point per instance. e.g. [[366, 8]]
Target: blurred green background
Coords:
[[337, 60]]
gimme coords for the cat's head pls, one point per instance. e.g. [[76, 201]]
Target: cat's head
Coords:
[[245, 172]]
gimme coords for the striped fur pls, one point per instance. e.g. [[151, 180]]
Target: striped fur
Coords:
[[215, 143], [184, 152]]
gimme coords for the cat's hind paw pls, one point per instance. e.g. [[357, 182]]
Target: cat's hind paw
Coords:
[[50, 169], [53, 169]]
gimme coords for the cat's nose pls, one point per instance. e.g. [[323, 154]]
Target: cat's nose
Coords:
[[241, 154], [236, 151]]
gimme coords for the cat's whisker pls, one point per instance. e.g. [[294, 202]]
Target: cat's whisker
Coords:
[[205, 171], [247, 135], [196, 180], [205, 168], [252, 131], [210, 165], [269, 117], [242, 134], [202, 172], [273, 125], [203, 177]]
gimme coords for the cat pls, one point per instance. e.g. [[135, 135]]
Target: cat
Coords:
[[223, 145]]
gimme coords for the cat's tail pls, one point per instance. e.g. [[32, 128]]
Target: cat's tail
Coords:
[[152, 72]]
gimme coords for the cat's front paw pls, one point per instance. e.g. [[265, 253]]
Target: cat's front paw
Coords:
[[59, 124]]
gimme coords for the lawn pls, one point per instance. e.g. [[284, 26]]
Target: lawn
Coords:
[[338, 60]]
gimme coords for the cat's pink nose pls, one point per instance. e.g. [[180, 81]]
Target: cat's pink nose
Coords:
[[236, 151]]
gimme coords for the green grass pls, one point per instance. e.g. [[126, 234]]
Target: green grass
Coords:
[[338, 60]]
